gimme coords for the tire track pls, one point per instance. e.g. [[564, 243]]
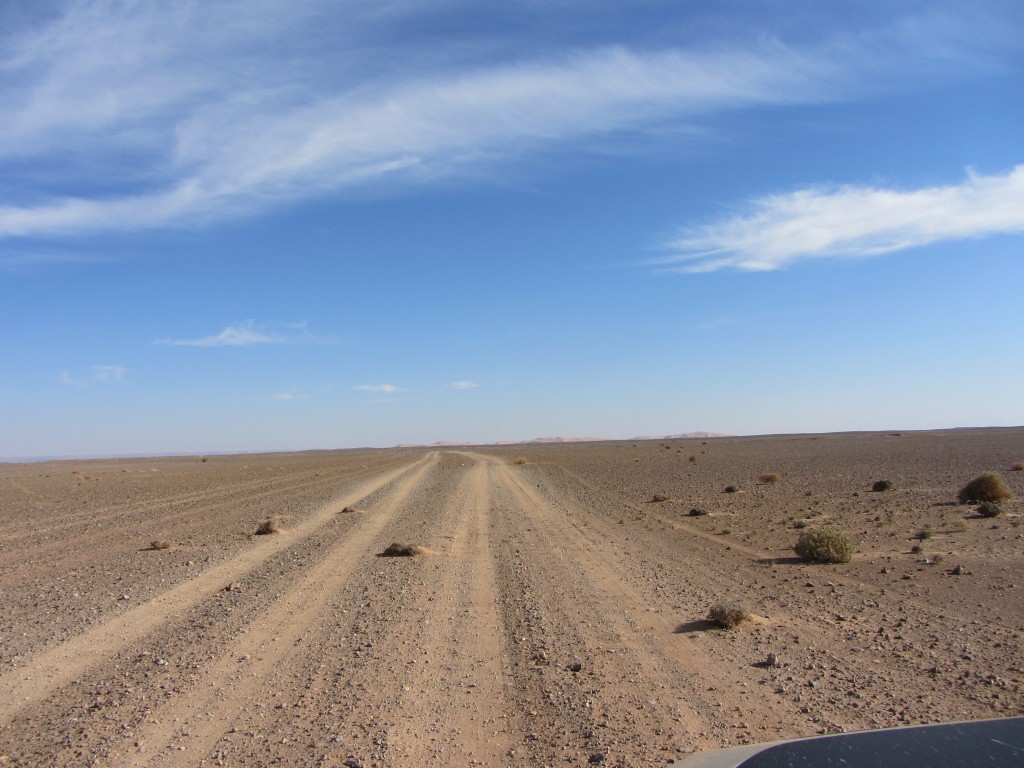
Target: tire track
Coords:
[[42, 674], [460, 717], [639, 646]]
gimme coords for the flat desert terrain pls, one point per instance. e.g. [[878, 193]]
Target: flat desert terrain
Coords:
[[556, 617]]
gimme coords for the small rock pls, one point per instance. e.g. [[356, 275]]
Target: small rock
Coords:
[[772, 661], [958, 570], [575, 667], [234, 586], [597, 757], [352, 763]]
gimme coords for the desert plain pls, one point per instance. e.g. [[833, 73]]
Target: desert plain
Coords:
[[556, 616]]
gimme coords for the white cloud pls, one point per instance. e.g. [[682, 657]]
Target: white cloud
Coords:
[[385, 388], [194, 113], [98, 374], [108, 373], [289, 396], [851, 221], [464, 384], [248, 334]]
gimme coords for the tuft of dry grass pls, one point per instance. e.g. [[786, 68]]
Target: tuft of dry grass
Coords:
[[693, 459], [268, 526], [987, 486], [824, 545], [732, 489], [770, 477], [698, 512], [881, 486], [397, 549], [728, 615], [159, 544], [658, 498], [520, 460], [1017, 466]]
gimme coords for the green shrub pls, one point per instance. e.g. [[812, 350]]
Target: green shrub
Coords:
[[728, 615], [924, 534], [987, 486], [989, 509], [824, 545]]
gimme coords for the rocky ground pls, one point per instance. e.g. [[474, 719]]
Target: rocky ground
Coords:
[[557, 616]]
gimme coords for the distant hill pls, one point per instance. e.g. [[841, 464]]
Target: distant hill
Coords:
[[449, 444]]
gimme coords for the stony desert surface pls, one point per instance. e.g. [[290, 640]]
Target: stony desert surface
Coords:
[[556, 617]]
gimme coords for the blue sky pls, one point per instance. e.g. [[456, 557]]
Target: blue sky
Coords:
[[323, 224]]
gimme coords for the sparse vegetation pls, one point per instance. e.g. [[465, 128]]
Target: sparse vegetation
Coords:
[[728, 615], [698, 512], [989, 509], [351, 510], [824, 545], [881, 486], [397, 549], [693, 459], [159, 544], [917, 549], [658, 498], [732, 489], [987, 486], [770, 478], [800, 524], [520, 460], [268, 526], [924, 534], [1017, 466]]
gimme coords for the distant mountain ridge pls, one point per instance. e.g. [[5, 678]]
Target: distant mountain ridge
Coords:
[[547, 440]]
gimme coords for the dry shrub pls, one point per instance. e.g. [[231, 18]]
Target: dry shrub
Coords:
[[520, 460], [732, 489], [158, 544], [698, 512], [824, 545], [728, 615], [397, 549], [351, 511], [881, 486], [268, 526], [1017, 466], [658, 498], [987, 486], [770, 477], [693, 459]]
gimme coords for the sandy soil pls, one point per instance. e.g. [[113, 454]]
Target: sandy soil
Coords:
[[558, 617]]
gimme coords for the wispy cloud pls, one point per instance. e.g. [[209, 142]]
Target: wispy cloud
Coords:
[[289, 396], [464, 384], [97, 374], [248, 334], [849, 221], [386, 389], [194, 115]]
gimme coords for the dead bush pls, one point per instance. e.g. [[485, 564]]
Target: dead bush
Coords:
[[658, 498], [268, 526], [159, 544], [520, 460], [698, 512], [1017, 466], [728, 615], [732, 489], [770, 478], [397, 549], [881, 486], [824, 545], [987, 486]]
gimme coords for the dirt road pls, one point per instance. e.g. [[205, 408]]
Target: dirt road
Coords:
[[557, 617]]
